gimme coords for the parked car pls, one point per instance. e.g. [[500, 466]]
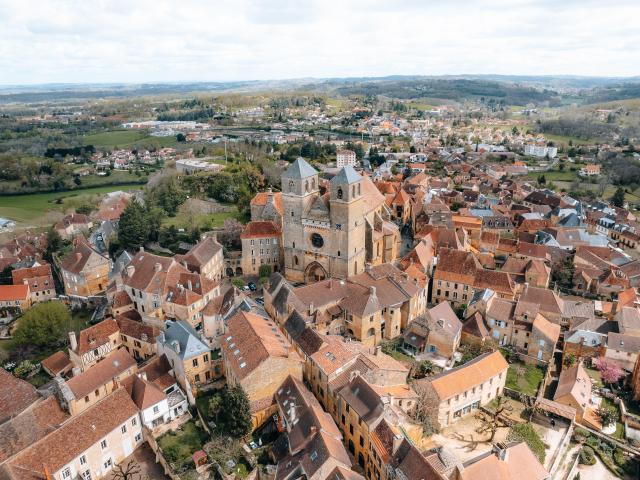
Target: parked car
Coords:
[[252, 286], [260, 301]]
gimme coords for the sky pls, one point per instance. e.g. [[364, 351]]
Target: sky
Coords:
[[133, 41]]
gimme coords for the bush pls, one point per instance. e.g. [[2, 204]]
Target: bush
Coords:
[[24, 369], [524, 432], [587, 456], [238, 282], [264, 271]]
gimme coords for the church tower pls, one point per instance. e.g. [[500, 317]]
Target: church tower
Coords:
[[299, 191], [348, 223]]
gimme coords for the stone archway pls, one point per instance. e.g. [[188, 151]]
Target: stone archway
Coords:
[[314, 273]]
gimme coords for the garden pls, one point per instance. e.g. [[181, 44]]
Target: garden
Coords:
[[524, 378]]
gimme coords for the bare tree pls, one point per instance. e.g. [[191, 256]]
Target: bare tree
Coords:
[[426, 409], [492, 421], [128, 471]]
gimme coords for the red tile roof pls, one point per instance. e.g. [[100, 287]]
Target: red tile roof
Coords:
[[260, 230], [11, 293]]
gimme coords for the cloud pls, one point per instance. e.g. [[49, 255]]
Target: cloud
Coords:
[[160, 40]]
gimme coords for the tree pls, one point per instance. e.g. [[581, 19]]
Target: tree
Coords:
[[133, 228], [541, 179], [425, 411], [230, 234], [264, 271], [618, 197], [215, 405], [569, 360], [235, 418], [85, 209], [610, 371], [43, 324], [424, 369], [127, 471], [5, 276], [491, 422], [608, 415], [23, 369], [54, 244], [181, 137]]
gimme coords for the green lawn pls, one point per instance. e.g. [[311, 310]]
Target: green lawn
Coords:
[[126, 138], [204, 220], [529, 382], [31, 208], [178, 446], [120, 138]]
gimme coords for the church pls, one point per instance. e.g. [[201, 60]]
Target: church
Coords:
[[334, 229]]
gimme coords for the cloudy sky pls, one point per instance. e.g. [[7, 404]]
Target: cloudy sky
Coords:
[[75, 41]]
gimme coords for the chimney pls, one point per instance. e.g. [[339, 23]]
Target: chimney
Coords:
[[378, 351], [157, 267], [180, 287], [311, 309], [189, 284], [130, 270], [141, 248], [161, 337], [78, 256], [184, 264], [73, 342], [176, 346], [367, 267], [502, 451], [372, 291]]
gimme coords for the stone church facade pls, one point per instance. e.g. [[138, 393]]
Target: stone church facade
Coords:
[[335, 232]]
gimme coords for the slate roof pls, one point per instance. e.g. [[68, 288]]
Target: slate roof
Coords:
[[347, 175], [188, 339], [299, 169]]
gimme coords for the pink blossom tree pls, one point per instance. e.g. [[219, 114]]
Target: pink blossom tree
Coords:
[[610, 371]]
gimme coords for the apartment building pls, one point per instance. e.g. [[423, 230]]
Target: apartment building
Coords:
[[189, 357], [346, 157], [84, 390], [315, 449], [86, 446], [40, 281], [259, 358], [84, 271], [205, 258], [464, 389], [261, 245]]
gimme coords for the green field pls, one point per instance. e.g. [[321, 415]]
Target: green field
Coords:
[[25, 209], [203, 220], [126, 138]]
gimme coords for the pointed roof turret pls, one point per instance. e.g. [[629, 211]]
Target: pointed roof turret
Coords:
[[347, 176], [299, 169]]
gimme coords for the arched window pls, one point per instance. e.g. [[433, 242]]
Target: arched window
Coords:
[[313, 184], [295, 260], [338, 252], [294, 244], [291, 185], [353, 191], [371, 332], [306, 186], [339, 194], [358, 189]]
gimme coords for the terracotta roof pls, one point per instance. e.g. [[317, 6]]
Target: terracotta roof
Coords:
[[336, 353], [158, 371], [75, 436], [77, 259], [138, 330], [120, 299], [152, 273], [143, 392], [456, 266], [250, 340], [37, 421], [11, 293], [103, 372], [517, 463], [261, 198], [259, 229], [460, 379], [202, 252], [38, 278], [575, 382], [363, 399], [547, 328], [15, 395], [96, 335], [57, 362]]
